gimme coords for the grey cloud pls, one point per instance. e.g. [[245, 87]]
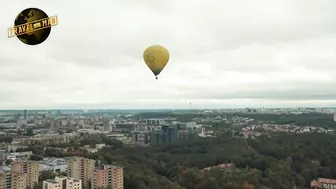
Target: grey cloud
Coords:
[[223, 54]]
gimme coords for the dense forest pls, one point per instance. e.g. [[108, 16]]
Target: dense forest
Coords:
[[276, 162], [281, 162], [306, 119]]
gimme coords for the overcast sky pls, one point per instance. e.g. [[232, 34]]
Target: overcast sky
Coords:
[[223, 54]]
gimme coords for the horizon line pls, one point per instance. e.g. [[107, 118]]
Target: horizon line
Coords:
[[324, 107]]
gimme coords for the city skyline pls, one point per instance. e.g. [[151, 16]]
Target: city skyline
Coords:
[[246, 54], [158, 110]]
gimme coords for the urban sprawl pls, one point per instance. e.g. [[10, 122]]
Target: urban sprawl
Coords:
[[69, 141]]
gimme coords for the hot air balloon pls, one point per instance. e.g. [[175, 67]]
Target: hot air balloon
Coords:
[[156, 57]]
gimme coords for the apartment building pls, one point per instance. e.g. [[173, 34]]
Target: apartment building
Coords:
[[140, 137], [52, 184], [108, 176], [62, 183], [81, 168], [55, 138], [72, 183], [30, 168], [11, 180]]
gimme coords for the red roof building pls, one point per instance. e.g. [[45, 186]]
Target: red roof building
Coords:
[[323, 183]]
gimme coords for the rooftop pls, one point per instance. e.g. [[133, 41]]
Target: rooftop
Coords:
[[102, 167], [53, 161], [52, 181], [4, 168], [99, 167]]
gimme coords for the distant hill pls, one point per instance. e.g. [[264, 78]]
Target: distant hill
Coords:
[[89, 111]]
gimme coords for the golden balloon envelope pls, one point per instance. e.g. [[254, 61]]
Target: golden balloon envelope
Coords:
[[156, 57]]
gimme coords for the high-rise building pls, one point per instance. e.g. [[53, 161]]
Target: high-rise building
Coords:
[[28, 167], [5, 180], [181, 126], [108, 176], [10, 180], [182, 134], [154, 121], [140, 137], [163, 134], [154, 138], [62, 183], [191, 125], [335, 116], [158, 137], [81, 168], [24, 114], [17, 116], [172, 133]]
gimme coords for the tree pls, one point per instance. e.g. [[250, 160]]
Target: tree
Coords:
[[36, 157], [44, 175], [19, 132], [102, 159], [6, 139], [92, 145], [8, 161], [38, 186], [29, 132]]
